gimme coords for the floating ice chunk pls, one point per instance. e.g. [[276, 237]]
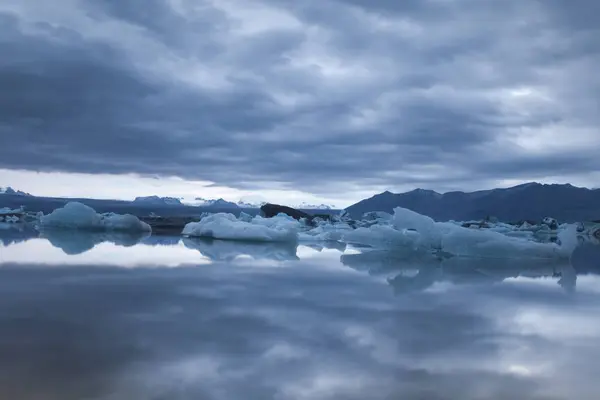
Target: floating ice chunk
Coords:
[[502, 229], [520, 234], [124, 223], [11, 219], [280, 221], [468, 243], [330, 236], [377, 216], [411, 230], [11, 216], [429, 234], [73, 216], [327, 232], [8, 211], [382, 236], [245, 217], [568, 240], [227, 227], [550, 223], [79, 216]]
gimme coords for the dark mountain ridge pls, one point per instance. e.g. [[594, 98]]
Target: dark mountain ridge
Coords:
[[529, 201]]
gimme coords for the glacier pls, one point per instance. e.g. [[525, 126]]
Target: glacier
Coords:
[[76, 215]]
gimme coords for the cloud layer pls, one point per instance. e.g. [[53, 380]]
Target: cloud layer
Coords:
[[322, 96]]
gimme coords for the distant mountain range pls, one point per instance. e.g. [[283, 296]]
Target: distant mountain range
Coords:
[[307, 206], [158, 201], [221, 203], [202, 202], [9, 190], [171, 202], [197, 202], [530, 201]]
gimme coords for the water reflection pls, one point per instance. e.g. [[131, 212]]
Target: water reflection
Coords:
[[76, 242], [222, 250], [15, 233], [327, 245], [407, 273], [463, 330]]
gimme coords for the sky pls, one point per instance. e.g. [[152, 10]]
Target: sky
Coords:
[[286, 100]]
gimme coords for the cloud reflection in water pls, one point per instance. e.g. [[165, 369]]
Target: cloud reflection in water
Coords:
[[307, 331]]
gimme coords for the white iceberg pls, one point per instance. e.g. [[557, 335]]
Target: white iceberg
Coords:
[[75, 215], [227, 227], [414, 231], [484, 243], [280, 221], [326, 231], [11, 216], [382, 236]]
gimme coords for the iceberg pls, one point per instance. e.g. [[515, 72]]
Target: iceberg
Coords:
[[78, 216], [281, 220], [11, 216], [227, 227], [484, 243], [382, 236], [326, 232], [415, 232]]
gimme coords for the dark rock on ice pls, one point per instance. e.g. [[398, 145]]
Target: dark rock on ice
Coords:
[[270, 210], [550, 223]]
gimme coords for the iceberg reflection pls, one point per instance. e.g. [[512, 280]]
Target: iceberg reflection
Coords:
[[307, 331], [77, 242], [222, 250], [15, 233], [415, 271]]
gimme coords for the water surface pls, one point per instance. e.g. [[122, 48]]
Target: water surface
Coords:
[[119, 317]]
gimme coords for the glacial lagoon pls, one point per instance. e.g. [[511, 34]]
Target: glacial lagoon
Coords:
[[115, 316]]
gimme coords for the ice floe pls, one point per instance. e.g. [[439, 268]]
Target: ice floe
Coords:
[[78, 216], [227, 227], [418, 232]]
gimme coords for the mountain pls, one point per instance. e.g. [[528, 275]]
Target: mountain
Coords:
[[9, 190], [158, 201], [530, 201], [307, 206], [219, 203], [245, 204]]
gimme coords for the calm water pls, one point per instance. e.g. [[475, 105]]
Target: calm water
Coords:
[[118, 317]]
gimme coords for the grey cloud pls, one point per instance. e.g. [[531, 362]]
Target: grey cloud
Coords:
[[425, 84]]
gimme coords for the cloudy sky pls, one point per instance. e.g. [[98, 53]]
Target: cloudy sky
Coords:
[[328, 100]]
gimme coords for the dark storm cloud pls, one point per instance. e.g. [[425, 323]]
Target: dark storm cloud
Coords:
[[368, 93]]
